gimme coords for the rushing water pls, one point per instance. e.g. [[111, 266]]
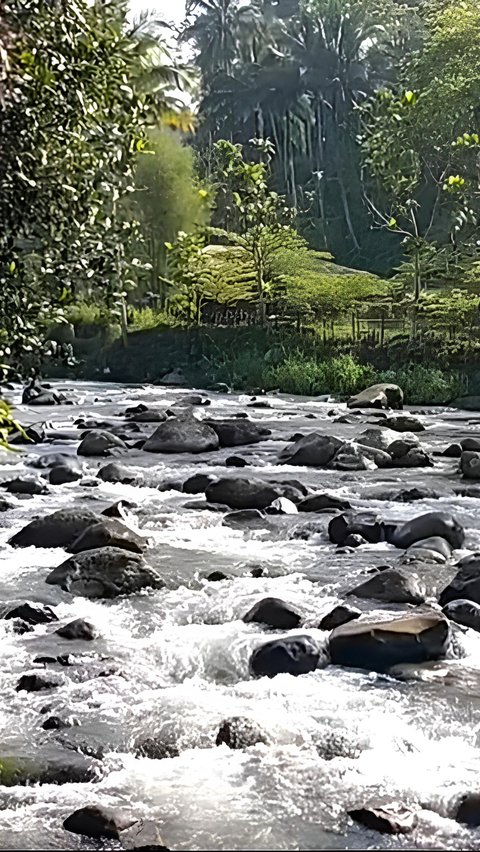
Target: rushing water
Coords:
[[175, 661]]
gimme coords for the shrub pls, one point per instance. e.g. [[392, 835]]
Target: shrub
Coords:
[[308, 377], [426, 385]]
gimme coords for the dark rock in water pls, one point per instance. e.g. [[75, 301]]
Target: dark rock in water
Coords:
[[466, 583], [114, 472], [109, 532], [100, 443], [378, 396], [235, 433], [156, 748], [119, 509], [239, 732], [470, 444], [410, 495], [323, 502], [412, 457], [282, 506], [354, 540], [142, 414], [144, 836], [95, 821], [334, 744], [390, 586], [295, 655], [62, 473], [192, 399], [339, 615], [24, 486], [20, 627], [182, 435], [5, 505], [260, 403], [243, 516], [453, 451], [404, 423], [30, 435], [37, 614], [106, 572], [312, 450], [428, 525], [380, 645], [55, 723], [387, 819], [258, 571], [435, 549], [77, 629], [342, 526], [59, 529], [241, 493], [470, 464], [464, 612], [36, 682], [273, 612], [468, 812], [235, 461], [21, 771], [217, 577], [197, 484]]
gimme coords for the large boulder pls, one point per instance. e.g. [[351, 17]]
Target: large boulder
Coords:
[[463, 612], [109, 532], [235, 433], [312, 450], [239, 493], [98, 822], [104, 573], [378, 645], [466, 582], [426, 526], [59, 529], [273, 612], [378, 396], [470, 464], [182, 435], [295, 655], [390, 586], [77, 629], [99, 442]]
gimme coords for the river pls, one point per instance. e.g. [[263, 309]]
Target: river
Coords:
[[173, 663]]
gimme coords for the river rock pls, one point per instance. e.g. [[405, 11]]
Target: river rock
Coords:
[[376, 438], [77, 629], [56, 723], [114, 472], [24, 486], [466, 582], [470, 444], [282, 506], [470, 464], [243, 516], [425, 526], [109, 532], [312, 450], [387, 819], [144, 835], [378, 645], [240, 493], [197, 484], [273, 612], [156, 748], [98, 822], [142, 414], [378, 396], [372, 530], [99, 442], [73, 769], [59, 529], [182, 435], [391, 586], [63, 473], [105, 572], [236, 461], [36, 682], [235, 433], [339, 615], [49, 460], [239, 732], [37, 614], [295, 655], [404, 423], [323, 502], [335, 744], [464, 612], [468, 811], [413, 457], [434, 549]]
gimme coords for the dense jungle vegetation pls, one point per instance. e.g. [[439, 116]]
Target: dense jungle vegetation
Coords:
[[277, 194]]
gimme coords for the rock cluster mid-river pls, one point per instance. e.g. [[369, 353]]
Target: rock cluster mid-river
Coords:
[[137, 709]]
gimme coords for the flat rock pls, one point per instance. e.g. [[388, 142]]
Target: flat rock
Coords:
[[182, 435], [312, 450], [105, 572], [404, 423], [240, 493], [378, 645], [60, 529], [273, 612], [323, 502], [144, 835]]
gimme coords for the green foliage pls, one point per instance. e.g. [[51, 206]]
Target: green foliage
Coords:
[[309, 377], [8, 426], [141, 319], [426, 385]]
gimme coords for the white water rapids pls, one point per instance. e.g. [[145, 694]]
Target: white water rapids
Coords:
[[173, 663]]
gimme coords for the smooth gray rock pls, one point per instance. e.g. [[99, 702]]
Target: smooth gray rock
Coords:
[[104, 573], [391, 586], [182, 435], [60, 529]]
